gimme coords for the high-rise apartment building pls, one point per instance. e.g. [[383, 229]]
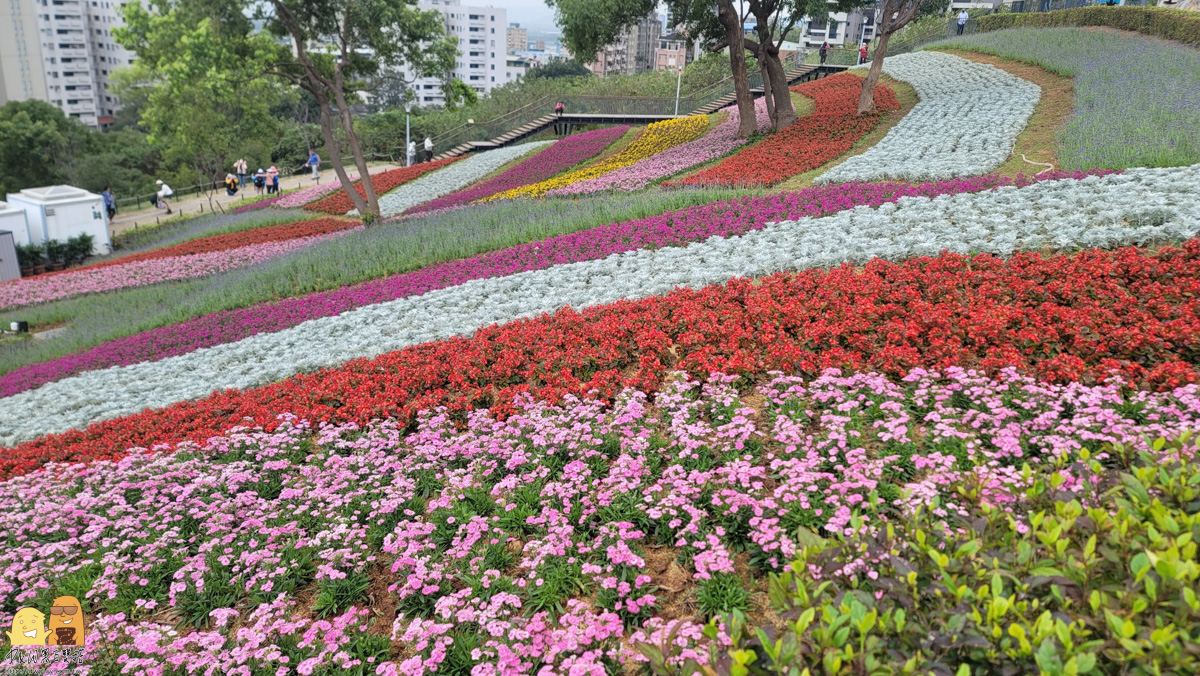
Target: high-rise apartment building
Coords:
[[517, 39], [633, 52], [482, 45], [62, 51]]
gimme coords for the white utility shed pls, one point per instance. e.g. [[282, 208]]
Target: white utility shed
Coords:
[[61, 212]]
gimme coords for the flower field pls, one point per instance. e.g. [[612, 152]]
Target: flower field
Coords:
[[301, 197], [452, 178], [490, 531], [563, 155], [1096, 211], [657, 137], [809, 142], [152, 270], [716, 143], [917, 418], [670, 229], [966, 122], [339, 203]]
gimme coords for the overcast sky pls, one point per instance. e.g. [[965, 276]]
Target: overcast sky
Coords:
[[529, 13]]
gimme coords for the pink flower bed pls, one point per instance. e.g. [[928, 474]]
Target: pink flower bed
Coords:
[[551, 542], [563, 155], [311, 193], [142, 273], [675, 228], [716, 143]]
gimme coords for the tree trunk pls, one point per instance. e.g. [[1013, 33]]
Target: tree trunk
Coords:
[[335, 150], [737, 61], [866, 100], [767, 91], [785, 112], [372, 201]]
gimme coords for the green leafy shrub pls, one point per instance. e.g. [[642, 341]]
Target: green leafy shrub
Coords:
[[1098, 579], [722, 593], [56, 251], [78, 249], [29, 255], [1169, 24]]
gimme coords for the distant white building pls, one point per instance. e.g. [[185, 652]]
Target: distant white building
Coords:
[[840, 29], [482, 34], [516, 67], [633, 51], [62, 52]]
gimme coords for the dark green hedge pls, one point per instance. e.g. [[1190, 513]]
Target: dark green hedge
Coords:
[[1170, 24]]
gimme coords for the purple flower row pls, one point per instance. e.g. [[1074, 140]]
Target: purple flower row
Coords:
[[559, 157], [145, 272], [638, 175], [269, 202], [676, 228]]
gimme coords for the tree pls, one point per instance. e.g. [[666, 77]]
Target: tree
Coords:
[[35, 140], [893, 15], [202, 101], [557, 69], [343, 47]]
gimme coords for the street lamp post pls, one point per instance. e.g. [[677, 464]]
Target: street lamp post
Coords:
[[407, 129], [678, 82]]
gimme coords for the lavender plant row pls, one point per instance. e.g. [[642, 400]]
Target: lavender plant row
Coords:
[[966, 122], [563, 155], [717, 143], [451, 178], [140, 273], [1138, 207], [670, 229], [1137, 98], [561, 535]]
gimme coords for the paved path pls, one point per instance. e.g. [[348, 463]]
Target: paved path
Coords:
[[196, 204]]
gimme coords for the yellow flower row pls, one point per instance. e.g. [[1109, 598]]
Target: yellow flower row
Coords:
[[656, 138]]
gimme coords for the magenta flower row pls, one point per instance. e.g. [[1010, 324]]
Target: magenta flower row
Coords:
[[717, 143], [729, 218], [143, 273], [559, 157]]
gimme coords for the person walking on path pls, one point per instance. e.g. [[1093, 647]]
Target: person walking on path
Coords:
[[110, 204], [412, 153], [962, 20], [428, 149], [314, 161], [164, 191], [823, 51], [272, 180], [239, 168]]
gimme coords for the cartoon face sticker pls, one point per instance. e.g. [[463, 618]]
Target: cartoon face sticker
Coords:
[[66, 621], [28, 627]]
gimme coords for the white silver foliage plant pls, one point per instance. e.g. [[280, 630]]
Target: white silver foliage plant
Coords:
[[965, 124]]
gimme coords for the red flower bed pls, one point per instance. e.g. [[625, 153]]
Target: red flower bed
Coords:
[[811, 141], [1062, 318], [233, 240], [339, 202]]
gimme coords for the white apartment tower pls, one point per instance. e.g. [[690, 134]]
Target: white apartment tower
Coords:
[[63, 52], [482, 34]]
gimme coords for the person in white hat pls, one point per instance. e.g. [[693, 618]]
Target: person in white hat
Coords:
[[164, 191]]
